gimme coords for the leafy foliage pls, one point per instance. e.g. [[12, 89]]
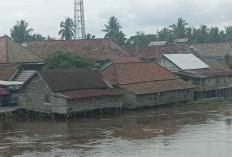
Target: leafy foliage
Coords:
[[179, 30], [113, 31], [68, 60], [20, 32], [140, 40], [67, 29]]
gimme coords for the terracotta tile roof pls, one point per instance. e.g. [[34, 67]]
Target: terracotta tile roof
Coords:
[[6, 71], [129, 73], [156, 86], [157, 51], [212, 49], [100, 49], [125, 60], [11, 52], [66, 80], [78, 94]]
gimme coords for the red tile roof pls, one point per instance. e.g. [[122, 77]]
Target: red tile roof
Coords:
[[100, 49], [125, 60], [136, 72], [7, 70], [12, 52], [156, 86], [77, 94]]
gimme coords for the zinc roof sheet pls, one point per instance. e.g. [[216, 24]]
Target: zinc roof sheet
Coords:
[[186, 61]]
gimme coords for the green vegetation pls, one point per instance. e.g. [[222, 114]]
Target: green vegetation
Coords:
[[21, 33], [113, 31], [67, 29], [68, 60]]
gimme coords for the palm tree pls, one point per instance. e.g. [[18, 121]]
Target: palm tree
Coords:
[[67, 29], [113, 32], [179, 30], [20, 32]]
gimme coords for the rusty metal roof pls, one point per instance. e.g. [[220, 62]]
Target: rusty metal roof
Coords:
[[205, 73], [78, 94], [12, 52], [129, 73], [100, 49], [156, 86], [65, 80], [125, 60]]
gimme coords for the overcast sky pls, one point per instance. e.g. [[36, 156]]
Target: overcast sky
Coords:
[[44, 16]]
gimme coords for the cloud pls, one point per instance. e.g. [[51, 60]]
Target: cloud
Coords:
[[135, 15]]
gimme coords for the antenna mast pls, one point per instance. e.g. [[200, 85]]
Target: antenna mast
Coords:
[[79, 19]]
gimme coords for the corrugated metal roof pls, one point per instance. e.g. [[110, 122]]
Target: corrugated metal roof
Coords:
[[204, 73], [128, 73], [183, 40], [65, 80], [9, 83], [157, 86], [186, 61], [77, 94], [125, 60], [24, 75], [157, 43]]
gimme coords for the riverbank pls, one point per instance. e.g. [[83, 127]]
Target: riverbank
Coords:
[[171, 131]]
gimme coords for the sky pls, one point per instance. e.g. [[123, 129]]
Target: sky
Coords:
[[44, 16]]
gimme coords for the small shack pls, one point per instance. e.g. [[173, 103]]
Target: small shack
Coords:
[[147, 84], [67, 92]]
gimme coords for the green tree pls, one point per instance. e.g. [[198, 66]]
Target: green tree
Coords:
[[90, 36], [113, 31], [68, 60], [67, 29], [228, 33], [37, 37], [227, 59], [179, 30], [141, 39], [20, 32], [164, 35]]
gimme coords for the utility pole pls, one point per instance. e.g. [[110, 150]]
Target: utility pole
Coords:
[[79, 19]]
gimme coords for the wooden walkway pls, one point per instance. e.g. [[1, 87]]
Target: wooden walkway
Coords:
[[6, 112]]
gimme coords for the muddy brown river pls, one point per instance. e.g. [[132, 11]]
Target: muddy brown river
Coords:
[[179, 131]]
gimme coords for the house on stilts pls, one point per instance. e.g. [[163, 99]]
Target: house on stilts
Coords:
[[211, 82], [66, 92], [146, 83]]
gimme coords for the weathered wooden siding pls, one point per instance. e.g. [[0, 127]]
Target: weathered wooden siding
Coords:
[[59, 104], [167, 64], [215, 83], [88, 104], [31, 96], [170, 97]]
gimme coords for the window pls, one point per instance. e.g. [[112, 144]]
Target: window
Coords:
[[47, 99]]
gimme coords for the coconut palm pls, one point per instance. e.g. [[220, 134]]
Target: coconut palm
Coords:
[[113, 32], [179, 30], [67, 29], [20, 32]]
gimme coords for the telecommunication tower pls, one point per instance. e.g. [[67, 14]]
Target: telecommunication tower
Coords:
[[79, 19]]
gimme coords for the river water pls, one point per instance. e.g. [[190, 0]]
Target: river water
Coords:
[[179, 131]]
